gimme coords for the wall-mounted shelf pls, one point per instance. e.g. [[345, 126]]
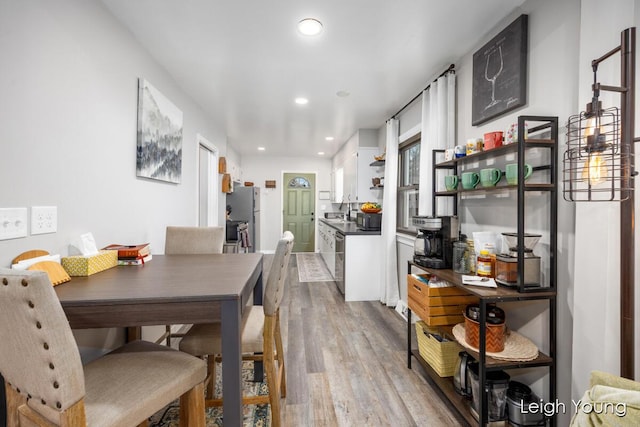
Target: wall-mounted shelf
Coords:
[[377, 163]]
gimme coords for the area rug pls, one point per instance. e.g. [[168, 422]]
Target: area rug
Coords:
[[254, 415], [311, 268]]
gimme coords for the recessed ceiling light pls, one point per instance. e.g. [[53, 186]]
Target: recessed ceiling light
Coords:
[[343, 93], [320, 153], [310, 27], [261, 148], [302, 101], [329, 138]]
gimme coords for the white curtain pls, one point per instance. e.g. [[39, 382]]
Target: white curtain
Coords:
[[438, 131], [390, 293]]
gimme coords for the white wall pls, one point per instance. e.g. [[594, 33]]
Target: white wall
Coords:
[[68, 102], [258, 169], [596, 310]]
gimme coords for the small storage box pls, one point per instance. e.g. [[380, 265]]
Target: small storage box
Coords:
[[79, 265], [442, 356], [437, 305]]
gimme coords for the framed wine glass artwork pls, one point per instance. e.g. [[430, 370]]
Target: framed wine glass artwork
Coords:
[[500, 73]]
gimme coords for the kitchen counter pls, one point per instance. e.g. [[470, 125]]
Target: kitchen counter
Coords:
[[357, 262], [348, 228]]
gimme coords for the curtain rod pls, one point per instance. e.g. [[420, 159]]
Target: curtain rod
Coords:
[[450, 69]]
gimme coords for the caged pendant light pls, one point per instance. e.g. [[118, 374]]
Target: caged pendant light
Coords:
[[599, 166]]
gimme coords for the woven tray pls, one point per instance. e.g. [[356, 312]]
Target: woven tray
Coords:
[[516, 347]]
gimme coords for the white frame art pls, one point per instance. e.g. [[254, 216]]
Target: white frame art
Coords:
[[159, 154]]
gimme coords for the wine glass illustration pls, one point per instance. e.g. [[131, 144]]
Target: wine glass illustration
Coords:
[[494, 65]]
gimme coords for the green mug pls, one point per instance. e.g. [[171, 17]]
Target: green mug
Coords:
[[490, 177], [451, 182], [511, 172], [470, 180]]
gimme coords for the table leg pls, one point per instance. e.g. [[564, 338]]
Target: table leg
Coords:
[[232, 365], [258, 291], [258, 366]]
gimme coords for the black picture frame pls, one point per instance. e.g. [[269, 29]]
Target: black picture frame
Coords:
[[500, 73]]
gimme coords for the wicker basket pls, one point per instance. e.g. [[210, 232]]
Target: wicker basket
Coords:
[[442, 356], [494, 335]]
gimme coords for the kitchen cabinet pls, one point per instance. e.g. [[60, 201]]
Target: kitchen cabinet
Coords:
[[327, 245], [352, 174], [361, 260], [542, 141], [362, 267]]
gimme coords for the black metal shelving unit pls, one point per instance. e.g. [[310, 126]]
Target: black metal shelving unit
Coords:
[[547, 128]]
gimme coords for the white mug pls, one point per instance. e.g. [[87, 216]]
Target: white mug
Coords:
[[448, 154]]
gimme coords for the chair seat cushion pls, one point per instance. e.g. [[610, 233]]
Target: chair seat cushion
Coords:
[[205, 339], [130, 384]]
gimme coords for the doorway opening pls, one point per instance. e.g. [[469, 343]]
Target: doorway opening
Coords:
[[208, 183]]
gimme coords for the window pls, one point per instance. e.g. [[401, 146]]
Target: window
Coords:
[[299, 182], [408, 181]]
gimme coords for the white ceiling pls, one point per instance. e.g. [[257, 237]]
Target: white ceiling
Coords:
[[244, 62]]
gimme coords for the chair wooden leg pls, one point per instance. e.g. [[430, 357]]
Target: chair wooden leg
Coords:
[[211, 376], [280, 354], [14, 401], [270, 370], [192, 407]]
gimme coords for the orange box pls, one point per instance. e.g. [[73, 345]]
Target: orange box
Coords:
[[437, 306]]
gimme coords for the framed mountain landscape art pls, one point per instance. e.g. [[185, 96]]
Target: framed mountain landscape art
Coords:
[[159, 153]]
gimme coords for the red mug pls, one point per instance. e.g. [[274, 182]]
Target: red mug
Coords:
[[492, 140]]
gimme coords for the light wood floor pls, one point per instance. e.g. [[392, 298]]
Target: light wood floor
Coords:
[[347, 364]]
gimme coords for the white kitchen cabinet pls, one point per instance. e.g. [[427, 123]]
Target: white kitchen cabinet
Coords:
[[352, 172], [362, 267], [327, 235]]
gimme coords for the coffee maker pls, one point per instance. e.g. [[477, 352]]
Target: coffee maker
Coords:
[[433, 246]]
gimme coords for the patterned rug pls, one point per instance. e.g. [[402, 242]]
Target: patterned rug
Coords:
[[254, 415], [311, 268]]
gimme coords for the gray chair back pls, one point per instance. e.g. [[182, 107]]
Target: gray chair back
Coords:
[[194, 240], [274, 289], [39, 356]]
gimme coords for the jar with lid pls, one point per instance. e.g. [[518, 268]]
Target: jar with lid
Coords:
[[472, 256], [484, 264], [492, 253], [460, 257]]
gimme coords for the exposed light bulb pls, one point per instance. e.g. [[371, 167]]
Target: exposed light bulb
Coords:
[[595, 169]]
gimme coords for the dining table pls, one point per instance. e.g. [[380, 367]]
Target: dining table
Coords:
[[174, 289]]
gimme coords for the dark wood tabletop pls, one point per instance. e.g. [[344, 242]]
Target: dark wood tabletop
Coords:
[[169, 289]]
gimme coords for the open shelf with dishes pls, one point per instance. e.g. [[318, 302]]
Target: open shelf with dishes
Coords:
[[513, 195]]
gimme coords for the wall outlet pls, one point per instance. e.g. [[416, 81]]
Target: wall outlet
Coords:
[[13, 223], [44, 219]]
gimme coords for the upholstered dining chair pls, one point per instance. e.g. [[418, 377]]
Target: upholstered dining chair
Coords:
[[261, 338], [185, 240], [47, 385]]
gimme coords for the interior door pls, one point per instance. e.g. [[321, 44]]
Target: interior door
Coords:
[[299, 209]]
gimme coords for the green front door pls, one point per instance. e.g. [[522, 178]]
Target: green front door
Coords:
[[299, 209]]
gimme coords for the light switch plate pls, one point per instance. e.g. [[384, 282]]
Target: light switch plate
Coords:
[[44, 219], [13, 223]]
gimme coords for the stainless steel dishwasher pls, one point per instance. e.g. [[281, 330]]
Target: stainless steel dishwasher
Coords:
[[339, 248]]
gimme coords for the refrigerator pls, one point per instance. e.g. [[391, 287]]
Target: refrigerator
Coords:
[[245, 206]]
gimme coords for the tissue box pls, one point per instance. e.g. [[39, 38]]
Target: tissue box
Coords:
[[86, 266]]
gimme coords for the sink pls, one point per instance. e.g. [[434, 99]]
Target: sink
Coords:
[[334, 220]]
